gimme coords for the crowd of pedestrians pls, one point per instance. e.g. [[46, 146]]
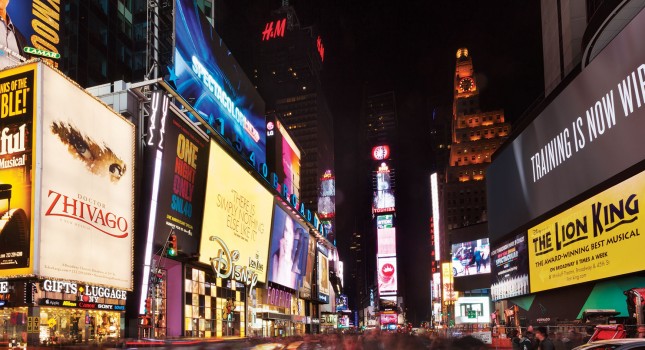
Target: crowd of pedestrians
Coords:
[[541, 339]]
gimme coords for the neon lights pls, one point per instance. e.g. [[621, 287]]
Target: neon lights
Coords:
[[271, 32], [224, 100], [434, 192], [321, 48]]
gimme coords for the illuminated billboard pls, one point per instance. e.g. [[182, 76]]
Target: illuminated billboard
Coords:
[[34, 31], [591, 240], [87, 187], [307, 281], [288, 251], [180, 175], [436, 216], [471, 258], [237, 217], [389, 319], [283, 156], [387, 275], [510, 268], [384, 221], [383, 200], [17, 164], [211, 82], [386, 238], [327, 198], [590, 132], [472, 310], [323, 274], [447, 283]]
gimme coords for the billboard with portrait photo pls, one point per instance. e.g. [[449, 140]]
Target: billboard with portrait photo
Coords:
[[308, 280], [288, 251], [237, 214], [87, 194], [17, 164], [210, 81], [31, 24]]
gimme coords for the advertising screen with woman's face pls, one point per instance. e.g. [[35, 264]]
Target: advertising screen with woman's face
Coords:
[[288, 250]]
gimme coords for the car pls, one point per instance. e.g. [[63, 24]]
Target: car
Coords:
[[615, 344]]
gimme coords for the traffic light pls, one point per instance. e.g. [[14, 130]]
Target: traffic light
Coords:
[[148, 305], [172, 245]]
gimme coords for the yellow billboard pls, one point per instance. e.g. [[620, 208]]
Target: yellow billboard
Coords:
[[592, 240], [18, 93], [237, 221]]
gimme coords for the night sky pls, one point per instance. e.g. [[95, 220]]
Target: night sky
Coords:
[[409, 47]]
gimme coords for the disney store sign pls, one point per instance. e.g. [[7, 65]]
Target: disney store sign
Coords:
[[225, 265]]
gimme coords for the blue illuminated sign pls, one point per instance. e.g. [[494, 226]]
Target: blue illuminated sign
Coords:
[[209, 79]]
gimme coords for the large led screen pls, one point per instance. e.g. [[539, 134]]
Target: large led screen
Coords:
[[386, 241], [17, 160], [33, 25], [383, 200], [327, 198], [323, 275], [472, 310], [283, 157], [590, 132], [288, 251], [598, 238], [182, 154], [87, 194], [471, 258], [237, 217], [510, 268], [387, 276], [210, 80]]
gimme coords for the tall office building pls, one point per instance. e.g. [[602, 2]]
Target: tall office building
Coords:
[[476, 135], [288, 61]]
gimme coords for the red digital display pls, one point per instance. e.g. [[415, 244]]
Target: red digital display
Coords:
[[275, 29]]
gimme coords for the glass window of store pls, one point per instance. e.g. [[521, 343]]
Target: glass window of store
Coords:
[[213, 307]]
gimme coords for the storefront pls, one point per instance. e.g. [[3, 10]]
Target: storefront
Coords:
[[279, 313], [213, 307], [58, 312]]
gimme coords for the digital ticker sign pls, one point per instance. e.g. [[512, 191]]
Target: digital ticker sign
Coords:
[[591, 240]]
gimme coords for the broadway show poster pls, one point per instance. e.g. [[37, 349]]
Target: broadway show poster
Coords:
[[17, 101], [510, 268], [208, 77], [590, 241], [33, 25], [87, 192], [182, 177]]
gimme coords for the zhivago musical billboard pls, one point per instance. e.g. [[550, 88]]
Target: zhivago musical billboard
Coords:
[[283, 156], [29, 25], [18, 91], [288, 251], [237, 218], [510, 268], [182, 153], [592, 240], [87, 194], [210, 81]]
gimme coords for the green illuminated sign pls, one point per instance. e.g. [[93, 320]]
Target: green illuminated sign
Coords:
[[39, 52]]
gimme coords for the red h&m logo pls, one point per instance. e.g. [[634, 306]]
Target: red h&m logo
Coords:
[[321, 48], [274, 29]]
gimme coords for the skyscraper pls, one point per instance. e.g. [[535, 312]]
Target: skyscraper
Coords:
[[288, 61], [476, 135]]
